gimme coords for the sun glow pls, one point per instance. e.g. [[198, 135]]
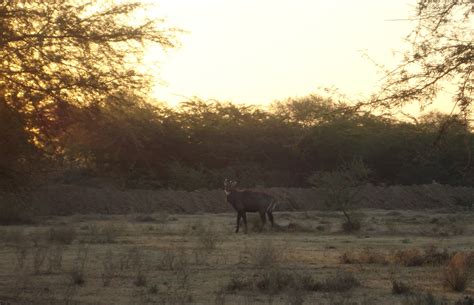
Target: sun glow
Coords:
[[259, 51]]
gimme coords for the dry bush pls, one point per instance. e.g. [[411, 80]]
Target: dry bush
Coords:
[[62, 235], [436, 257], [459, 271], [366, 256], [416, 257]]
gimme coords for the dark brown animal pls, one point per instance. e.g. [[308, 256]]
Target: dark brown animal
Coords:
[[244, 201]]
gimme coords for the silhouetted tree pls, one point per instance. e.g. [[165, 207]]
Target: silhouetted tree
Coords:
[[441, 53], [55, 53]]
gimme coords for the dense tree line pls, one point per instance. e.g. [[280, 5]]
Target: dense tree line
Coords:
[[129, 143], [73, 109]]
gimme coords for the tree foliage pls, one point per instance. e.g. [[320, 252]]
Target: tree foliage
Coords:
[[57, 53], [440, 56], [58, 56]]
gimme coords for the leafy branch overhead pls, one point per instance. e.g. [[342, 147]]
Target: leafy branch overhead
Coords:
[[71, 52], [440, 58]]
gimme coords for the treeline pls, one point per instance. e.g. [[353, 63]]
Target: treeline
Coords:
[[131, 144]]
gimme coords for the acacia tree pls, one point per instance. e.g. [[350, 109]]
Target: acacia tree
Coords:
[[66, 52], [441, 54]]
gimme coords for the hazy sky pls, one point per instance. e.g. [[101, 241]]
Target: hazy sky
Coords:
[[258, 51]]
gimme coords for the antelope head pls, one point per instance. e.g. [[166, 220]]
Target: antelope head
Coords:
[[229, 186]]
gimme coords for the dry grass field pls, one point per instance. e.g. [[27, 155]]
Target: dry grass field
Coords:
[[398, 257]]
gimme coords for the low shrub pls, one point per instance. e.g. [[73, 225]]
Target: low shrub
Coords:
[[458, 272]]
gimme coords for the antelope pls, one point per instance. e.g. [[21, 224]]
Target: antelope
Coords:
[[244, 201]]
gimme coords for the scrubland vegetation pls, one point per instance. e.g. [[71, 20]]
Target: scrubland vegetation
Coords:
[[84, 152], [197, 259]]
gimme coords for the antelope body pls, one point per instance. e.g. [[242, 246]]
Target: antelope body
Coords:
[[244, 201]]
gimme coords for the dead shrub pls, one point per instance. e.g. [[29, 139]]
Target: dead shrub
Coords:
[[416, 257], [458, 272], [409, 258], [436, 257], [366, 256], [62, 235]]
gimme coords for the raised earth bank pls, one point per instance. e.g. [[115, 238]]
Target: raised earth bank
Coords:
[[69, 199]]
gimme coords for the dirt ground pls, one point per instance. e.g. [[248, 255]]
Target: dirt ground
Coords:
[[198, 259]]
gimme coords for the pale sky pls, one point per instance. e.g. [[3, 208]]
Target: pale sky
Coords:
[[259, 51]]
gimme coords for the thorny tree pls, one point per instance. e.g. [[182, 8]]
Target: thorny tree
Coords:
[[440, 58], [56, 53]]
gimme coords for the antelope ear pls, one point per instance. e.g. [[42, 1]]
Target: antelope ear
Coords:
[[233, 184]]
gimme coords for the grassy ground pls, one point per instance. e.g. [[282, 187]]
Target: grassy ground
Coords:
[[197, 259]]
